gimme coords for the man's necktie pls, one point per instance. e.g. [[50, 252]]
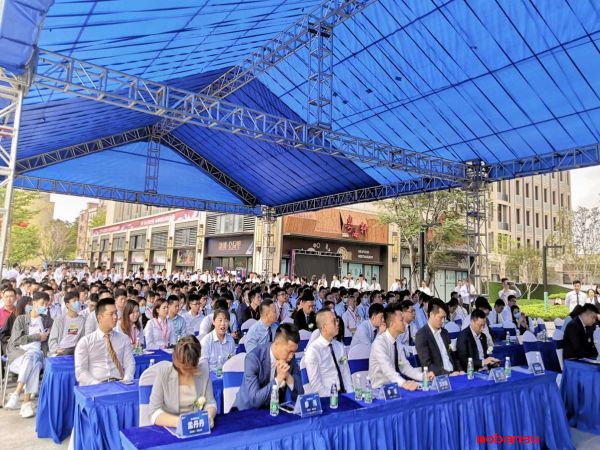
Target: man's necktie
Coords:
[[280, 313], [270, 333], [396, 358], [113, 355], [497, 317], [337, 367], [410, 339], [374, 334]]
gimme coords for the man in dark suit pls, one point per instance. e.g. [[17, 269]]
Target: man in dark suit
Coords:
[[305, 318], [271, 365], [578, 341], [433, 342], [472, 343]]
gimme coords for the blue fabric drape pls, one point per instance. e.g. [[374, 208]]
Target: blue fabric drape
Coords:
[[56, 404], [418, 420], [580, 390]]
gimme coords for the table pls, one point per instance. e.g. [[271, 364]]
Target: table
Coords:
[[581, 394], [516, 353], [527, 405], [102, 410], [54, 418]]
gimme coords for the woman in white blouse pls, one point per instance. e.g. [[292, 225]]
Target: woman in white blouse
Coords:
[[180, 384], [129, 323], [157, 331], [218, 343]]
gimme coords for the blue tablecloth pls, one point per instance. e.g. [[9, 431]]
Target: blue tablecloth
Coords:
[[101, 411], [581, 393], [54, 418], [527, 405], [516, 353]]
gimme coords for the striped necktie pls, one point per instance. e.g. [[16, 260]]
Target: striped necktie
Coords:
[[112, 354]]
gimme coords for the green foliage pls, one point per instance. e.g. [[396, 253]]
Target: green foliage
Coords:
[[98, 220], [525, 263], [556, 296], [58, 241], [535, 308], [23, 240], [554, 291]]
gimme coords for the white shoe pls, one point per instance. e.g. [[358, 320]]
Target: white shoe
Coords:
[[13, 401], [27, 410]]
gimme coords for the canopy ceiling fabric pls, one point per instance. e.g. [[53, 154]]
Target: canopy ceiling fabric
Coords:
[[492, 80]]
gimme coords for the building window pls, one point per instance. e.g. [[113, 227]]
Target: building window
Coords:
[[518, 216], [553, 195], [518, 242], [526, 190], [528, 243], [545, 222], [568, 201], [537, 220], [518, 187], [537, 244], [185, 237], [562, 200], [104, 244], [527, 221], [158, 241], [545, 195], [137, 241], [118, 243], [554, 223], [560, 176], [536, 192]]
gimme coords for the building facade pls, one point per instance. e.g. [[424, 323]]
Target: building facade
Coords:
[[84, 228]]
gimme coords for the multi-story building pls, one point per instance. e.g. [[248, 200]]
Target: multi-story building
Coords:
[[521, 212], [84, 226]]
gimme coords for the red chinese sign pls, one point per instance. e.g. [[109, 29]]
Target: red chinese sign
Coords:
[[356, 231]]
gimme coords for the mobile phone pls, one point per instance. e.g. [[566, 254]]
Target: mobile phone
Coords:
[[287, 407]]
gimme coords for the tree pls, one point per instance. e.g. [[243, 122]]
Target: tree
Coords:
[[440, 214], [525, 263], [23, 240], [58, 240], [99, 219]]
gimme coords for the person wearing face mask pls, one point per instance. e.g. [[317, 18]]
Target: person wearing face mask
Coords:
[[27, 348], [363, 309], [218, 344], [350, 317], [520, 320], [68, 328]]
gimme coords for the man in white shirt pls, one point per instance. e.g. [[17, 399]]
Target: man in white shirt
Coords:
[[395, 285], [467, 294], [508, 289], [192, 316], [407, 337], [361, 284], [350, 317], [496, 316], [325, 359], [575, 297], [335, 283], [387, 363], [104, 355], [368, 330], [283, 310], [374, 286]]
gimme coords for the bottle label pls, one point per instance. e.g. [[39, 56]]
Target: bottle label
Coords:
[[274, 408], [333, 401], [368, 397]]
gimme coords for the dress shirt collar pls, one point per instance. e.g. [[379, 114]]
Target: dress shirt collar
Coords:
[[389, 337], [322, 341], [475, 335], [433, 330], [215, 338], [100, 333]]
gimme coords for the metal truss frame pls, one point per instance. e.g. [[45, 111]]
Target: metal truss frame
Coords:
[[572, 158], [268, 249], [12, 92], [152, 165], [124, 195], [330, 14], [320, 75], [66, 74], [412, 186]]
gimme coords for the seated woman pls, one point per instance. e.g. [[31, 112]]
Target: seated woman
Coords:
[[218, 343], [157, 332], [520, 320], [129, 323], [27, 348], [178, 385]]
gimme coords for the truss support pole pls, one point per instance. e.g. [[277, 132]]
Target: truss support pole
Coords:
[[268, 218], [12, 91], [476, 225], [320, 74], [153, 162]]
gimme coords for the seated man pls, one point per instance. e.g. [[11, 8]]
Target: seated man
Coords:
[[263, 330], [324, 358], [175, 321], [368, 330], [27, 348], [105, 354], [304, 318], [271, 365], [578, 341], [496, 317], [407, 337], [433, 342], [387, 363], [67, 328], [472, 343]]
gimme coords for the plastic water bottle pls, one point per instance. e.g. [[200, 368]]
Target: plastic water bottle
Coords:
[[138, 348], [507, 367], [274, 406], [333, 399], [220, 367], [507, 338], [470, 369], [425, 379], [368, 391], [151, 362], [358, 393]]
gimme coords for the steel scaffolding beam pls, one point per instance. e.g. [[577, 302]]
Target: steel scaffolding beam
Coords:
[[152, 165], [370, 194], [330, 13], [205, 165], [320, 75], [75, 151], [12, 91], [476, 225], [130, 196], [268, 239], [91, 81]]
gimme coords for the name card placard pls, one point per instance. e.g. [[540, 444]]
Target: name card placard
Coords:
[[498, 375], [193, 424], [441, 383], [537, 369], [308, 405], [391, 391]]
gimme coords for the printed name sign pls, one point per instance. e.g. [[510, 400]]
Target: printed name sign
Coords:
[[391, 391], [441, 383], [193, 424], [308, 405]]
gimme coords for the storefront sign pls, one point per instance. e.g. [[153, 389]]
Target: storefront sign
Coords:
[[184, 257], [159, 257], [118, 257], [350, 251], [180, 215], [230, 246], [137, 257]]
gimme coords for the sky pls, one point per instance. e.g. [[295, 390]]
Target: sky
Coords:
[[585, 191]]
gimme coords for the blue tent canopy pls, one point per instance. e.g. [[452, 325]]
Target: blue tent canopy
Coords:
[[511, 83]]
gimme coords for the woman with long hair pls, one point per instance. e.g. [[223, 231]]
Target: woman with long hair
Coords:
[[129, 323]]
